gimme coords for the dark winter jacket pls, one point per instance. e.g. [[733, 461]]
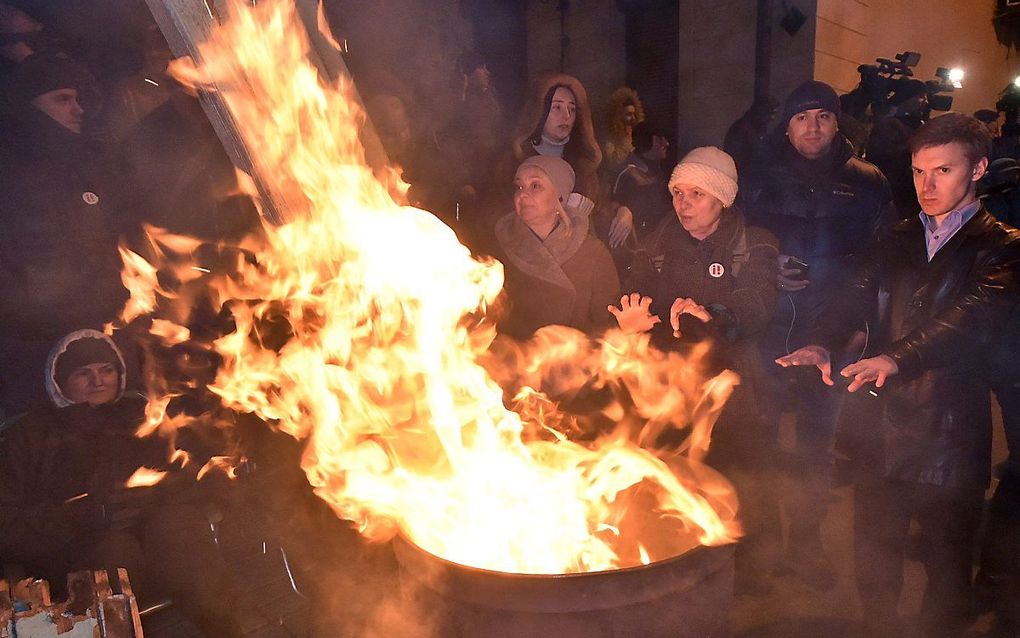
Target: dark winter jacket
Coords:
[[824, 211], [58, 465], [938, 322], [641, 186], [740, 299], [59, 266]]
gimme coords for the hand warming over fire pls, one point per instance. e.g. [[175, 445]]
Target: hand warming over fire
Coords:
[[876, 369], [633, 314], [810, 356], [686, 306]]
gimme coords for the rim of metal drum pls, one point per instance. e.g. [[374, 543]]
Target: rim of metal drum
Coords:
[[559, 593]]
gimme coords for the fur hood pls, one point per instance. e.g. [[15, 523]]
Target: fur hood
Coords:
[[582, 151]]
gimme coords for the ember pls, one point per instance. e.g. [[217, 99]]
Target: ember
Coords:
[[387, 364]]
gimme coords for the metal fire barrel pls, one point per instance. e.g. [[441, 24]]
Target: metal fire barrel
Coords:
[[689, 595]]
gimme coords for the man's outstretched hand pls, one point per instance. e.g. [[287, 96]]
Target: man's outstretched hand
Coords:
[[810, 356], [876, 369]]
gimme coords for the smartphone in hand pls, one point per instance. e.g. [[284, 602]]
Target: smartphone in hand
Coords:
[[797, 264]]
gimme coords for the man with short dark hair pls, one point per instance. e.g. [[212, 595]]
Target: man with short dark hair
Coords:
[[824, 205], [939, 289]]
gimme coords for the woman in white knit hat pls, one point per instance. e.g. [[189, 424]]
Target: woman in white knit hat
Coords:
[[705, 275]]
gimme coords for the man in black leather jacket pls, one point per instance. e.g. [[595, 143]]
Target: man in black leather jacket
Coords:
[[824, 205], [941, 287]]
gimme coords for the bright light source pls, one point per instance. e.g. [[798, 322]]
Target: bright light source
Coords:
[[1016, 82], [956, 77]]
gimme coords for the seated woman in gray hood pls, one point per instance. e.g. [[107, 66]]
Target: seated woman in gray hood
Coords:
[[65, 505]]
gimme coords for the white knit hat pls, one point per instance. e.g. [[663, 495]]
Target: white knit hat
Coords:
[[708, 168]]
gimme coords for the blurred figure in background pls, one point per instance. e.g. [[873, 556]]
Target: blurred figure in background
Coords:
[[474, 137], [640, 184], [622, 115], [887, 146], [747, 138], [990, 119]]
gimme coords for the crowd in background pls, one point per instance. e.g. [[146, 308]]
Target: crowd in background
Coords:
[[885, 259]]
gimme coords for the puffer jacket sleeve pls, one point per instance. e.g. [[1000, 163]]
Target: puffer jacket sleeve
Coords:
[[855, 302]]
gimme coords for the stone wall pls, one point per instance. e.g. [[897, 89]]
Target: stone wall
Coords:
[[596, 49], [717, 49], [947, 33]]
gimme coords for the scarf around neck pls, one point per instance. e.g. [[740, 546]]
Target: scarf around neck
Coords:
[[543, 259]]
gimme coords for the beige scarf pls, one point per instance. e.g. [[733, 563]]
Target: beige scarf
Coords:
[[543, 259]]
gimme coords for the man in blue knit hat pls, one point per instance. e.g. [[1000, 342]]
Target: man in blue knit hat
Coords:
[[823, 204]]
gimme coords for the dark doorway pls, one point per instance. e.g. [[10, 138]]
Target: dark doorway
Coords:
[[653, 60]]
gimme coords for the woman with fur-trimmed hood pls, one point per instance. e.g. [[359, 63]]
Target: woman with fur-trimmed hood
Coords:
[[556, 120]]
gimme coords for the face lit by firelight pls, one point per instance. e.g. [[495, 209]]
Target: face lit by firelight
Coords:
[[535, 199], [94, 383], [811, 132], [945, 178], [697, 209], [562, 113]]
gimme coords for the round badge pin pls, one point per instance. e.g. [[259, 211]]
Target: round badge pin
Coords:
[[716, 269], [90, 198]]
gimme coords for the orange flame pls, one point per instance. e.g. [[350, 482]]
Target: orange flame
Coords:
[[359, 326], [144, 477], [170, 332]]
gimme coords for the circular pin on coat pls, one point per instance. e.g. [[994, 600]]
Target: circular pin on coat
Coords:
[[90, 198], [716, 269]]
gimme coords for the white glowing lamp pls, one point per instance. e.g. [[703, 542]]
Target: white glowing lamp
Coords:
[[956, 77]]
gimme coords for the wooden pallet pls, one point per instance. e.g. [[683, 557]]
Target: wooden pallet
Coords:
[[91, 604]]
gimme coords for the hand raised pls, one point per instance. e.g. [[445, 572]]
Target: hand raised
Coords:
[[633, 314], [686, 306], [810, 356], [876, 369]]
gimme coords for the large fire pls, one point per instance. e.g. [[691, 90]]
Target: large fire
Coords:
[[361, 328]]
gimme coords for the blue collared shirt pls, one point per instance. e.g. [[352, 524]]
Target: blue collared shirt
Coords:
[[936, 238]]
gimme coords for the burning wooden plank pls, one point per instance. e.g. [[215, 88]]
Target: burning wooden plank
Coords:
[[187, 23]]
